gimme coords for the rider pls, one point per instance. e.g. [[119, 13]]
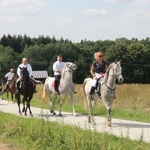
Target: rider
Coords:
[[98, 69], [29, 68], [9, 77], [57, 68]]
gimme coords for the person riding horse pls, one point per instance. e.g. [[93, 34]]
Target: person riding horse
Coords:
[[57, 68], [9, 77], [98, 69], [29, 68]]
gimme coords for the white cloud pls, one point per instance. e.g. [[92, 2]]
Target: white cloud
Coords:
[[65, 20], [26, 5], [141, 2], [97, 12], [136, 15]]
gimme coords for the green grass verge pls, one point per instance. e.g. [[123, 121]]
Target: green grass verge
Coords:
[[40, 134]]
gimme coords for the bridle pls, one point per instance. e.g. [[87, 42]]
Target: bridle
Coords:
[[116, 75]]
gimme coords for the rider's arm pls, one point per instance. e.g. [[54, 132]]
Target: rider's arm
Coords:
[[92, 71]]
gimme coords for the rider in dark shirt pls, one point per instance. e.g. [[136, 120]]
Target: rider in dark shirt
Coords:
[[98, 69]]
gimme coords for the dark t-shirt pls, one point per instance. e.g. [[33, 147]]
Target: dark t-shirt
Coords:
[[99, 68]]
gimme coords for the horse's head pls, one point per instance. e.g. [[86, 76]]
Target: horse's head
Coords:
[[69, 66], [118, 71], [24, 72]]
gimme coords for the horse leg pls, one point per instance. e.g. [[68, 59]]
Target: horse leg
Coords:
[[72, 101], [7, 96], [60, 105], [109, 117], [23, 109], [28, 106], [12, 98], [52, 103], [89, 110], [18, 102]]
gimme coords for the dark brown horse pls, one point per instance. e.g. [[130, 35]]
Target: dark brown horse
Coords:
[[11, 88], [27, 89]]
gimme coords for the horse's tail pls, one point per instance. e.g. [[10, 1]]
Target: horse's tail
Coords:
[[85, 97], [45, 94]]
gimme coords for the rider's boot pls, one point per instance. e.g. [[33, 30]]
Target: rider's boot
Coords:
[[91, 97], [56, 87], [98, 91]]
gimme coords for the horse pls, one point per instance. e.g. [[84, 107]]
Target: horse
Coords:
[[66, 86], [12, 88], [26, 90], [107, 89]]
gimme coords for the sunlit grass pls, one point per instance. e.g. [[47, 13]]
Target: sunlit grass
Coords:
[[40, 134], [132, 102]]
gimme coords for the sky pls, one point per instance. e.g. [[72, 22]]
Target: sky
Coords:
[[76, 20]]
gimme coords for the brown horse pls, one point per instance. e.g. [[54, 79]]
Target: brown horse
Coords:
[[12, 88]]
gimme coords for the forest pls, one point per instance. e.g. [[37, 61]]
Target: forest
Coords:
[[42, 51]]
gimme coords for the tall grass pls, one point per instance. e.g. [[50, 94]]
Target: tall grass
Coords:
[[40, 134], [132, 102]]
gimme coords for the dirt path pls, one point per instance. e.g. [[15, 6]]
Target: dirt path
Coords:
[[6, 147], [122, 128]]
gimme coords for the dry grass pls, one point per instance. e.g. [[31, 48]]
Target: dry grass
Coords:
[[128, 96]]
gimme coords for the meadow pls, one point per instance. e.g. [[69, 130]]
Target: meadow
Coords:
[[132, 102]]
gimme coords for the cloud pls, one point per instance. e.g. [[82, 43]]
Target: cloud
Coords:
[[66, 20], [135, 14], [96, 12], [24, 5], [141, 2]]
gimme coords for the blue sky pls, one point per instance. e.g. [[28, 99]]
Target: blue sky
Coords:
[[76, 20]]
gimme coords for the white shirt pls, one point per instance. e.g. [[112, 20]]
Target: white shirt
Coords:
[[58, 66], [29, 68], [9, 76]]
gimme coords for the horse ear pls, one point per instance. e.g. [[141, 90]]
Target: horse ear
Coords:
[[20, 68], [115, 61]]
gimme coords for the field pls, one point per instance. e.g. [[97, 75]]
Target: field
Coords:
[[132, 102]]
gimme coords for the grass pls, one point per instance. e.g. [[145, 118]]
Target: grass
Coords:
[[40, 134], [132, 102]]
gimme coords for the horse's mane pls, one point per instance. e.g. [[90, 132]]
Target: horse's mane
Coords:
[[107, 73], [63, 73]]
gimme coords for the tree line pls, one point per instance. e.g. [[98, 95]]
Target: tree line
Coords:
[[42, 52]]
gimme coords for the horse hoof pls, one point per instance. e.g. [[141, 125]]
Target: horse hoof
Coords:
[[89, 120], [60, 115], [54, 113], [75, 115], [31, 115], [109, 124]]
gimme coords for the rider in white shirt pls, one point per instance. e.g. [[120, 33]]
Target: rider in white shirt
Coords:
[[9, 77], [57, 68], [29, 68]]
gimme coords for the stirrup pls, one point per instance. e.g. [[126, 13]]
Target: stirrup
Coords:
[[17, 91], [99, 94], [91, 97], [57, 92]]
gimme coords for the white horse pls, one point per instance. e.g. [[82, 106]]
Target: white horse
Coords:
[[66, 86], [107, 89]]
